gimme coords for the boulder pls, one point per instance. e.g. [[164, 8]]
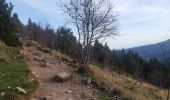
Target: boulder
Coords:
[[63, 76]]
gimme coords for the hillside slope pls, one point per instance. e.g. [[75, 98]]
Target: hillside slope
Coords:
[[15, 77], [153, 50], [45, 64], [113, 85], [121, 85]]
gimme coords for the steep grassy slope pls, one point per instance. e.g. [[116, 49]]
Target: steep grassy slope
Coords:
[[121, 85], [14, 73]]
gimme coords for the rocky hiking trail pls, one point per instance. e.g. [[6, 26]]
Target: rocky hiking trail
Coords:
[[44, 67]]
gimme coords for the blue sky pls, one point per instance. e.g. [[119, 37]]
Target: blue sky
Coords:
[[141, 21]]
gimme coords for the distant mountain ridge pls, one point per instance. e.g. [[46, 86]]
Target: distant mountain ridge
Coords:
[[153, 50]]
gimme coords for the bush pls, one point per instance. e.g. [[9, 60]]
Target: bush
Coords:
[[10, 39]]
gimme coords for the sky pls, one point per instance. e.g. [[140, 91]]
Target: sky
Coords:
[[141, 22]]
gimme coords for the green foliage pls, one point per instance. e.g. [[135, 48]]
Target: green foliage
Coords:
[[10, 39], [102, 54], [66, 41], [14, 74], [104, 97], [7, 26]]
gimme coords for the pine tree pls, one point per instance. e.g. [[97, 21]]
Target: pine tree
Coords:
[[7, 26]]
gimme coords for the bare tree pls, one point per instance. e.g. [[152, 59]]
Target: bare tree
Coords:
[[94, 19]]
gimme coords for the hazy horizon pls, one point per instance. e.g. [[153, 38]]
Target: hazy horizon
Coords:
[[140, 22]]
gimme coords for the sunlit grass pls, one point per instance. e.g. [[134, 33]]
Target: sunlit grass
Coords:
[[13, 73], [112, 81]]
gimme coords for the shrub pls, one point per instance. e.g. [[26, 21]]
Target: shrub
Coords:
[[10, 39]]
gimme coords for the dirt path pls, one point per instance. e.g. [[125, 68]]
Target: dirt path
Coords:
[[71, 90]]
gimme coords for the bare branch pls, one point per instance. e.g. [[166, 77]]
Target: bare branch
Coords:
[[94, 19]]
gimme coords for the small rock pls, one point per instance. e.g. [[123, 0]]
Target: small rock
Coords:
[[89, 81], [78, 95], [36, 53], [46, 50], [23, 48], [2, 93], [21, 90], [33, 73], [69, 91], [31, 79], [63, 76], [86, 81], [82, 94], [52, 94], [95, 90], [68, 99], [36, 76], [44, 98], [45, 64]]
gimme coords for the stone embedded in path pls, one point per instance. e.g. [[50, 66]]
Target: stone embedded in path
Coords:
[[45, 64], [69, 91], [63, 76]]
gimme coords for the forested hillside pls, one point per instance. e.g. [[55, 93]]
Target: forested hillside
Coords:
[[154, 50], [14, 72]]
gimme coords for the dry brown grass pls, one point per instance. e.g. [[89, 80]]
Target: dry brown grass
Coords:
[[114, 81], [3, 52]]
